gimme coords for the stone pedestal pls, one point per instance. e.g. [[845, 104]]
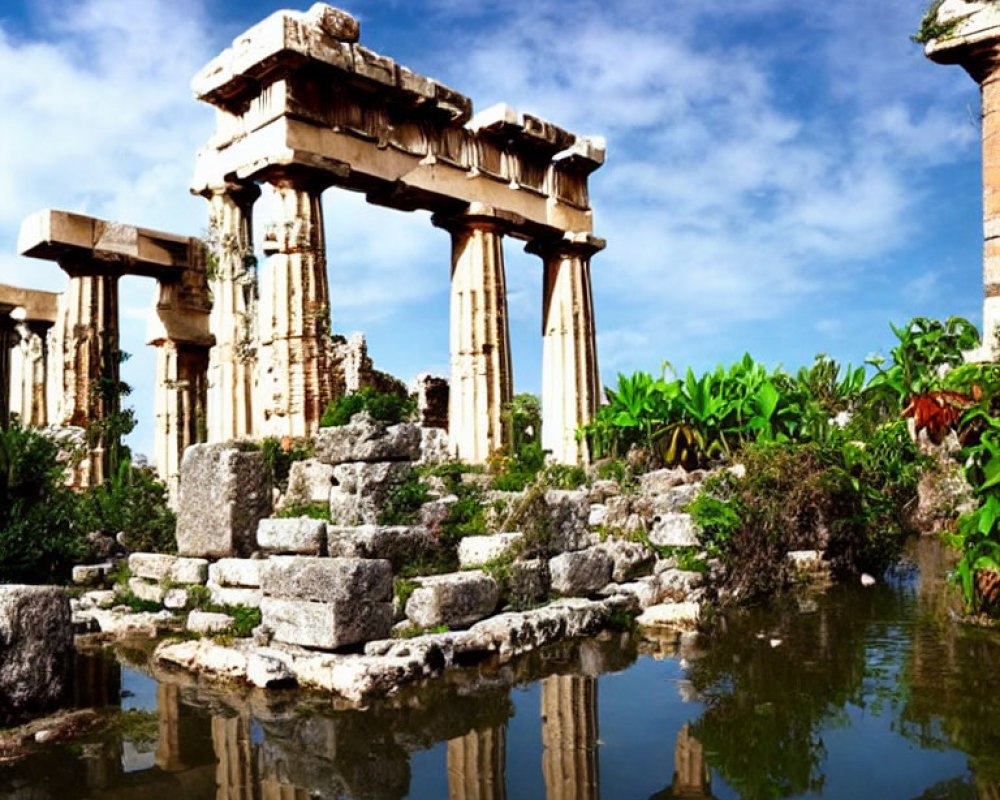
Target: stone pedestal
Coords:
[[569, 738], [570, 380], [481, 380], [476, 765], [233, 283], [295, 314]]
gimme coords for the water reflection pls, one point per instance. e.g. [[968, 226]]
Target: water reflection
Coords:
[[855, 693]]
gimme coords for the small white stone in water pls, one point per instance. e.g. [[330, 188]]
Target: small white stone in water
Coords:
[[867, 580], [775, 642]]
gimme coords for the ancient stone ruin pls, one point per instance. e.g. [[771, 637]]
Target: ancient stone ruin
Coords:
[[301, 106]]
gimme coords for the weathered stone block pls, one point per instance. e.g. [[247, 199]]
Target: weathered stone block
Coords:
[[234, 595], [435, 447], [36, 642], [569, 517], [675, 499], [225, 491], [580, 573], [309, 481], [529, 582], [189, 571], [326, 625], [456, 600], [474, 551], [678, 584], [327, 579], [91, 574], [300, 535], [618, 511], [175, 598], [662, 480], [208, 622], [674, 530], [361, 491], [603, 490], [432, 401], [236, 572], [152, 566], [144, 589], [598, 515], [399, 544], [364, 439], [629, 559], [681, 616]]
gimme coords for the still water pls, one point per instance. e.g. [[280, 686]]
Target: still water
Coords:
[[853, 694]]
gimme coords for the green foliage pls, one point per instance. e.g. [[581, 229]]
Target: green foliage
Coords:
[[403, 500], [513, 473], [402, 588], [280, 454], [40, 532], [466, 516], [245, 619], [304, 509], [523, 418], [390, 407], [136, 605], [132, 501], [617, 470], [930, 28]]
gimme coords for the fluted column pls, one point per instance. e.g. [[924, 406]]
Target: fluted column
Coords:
[[481, 377], [476, 765], [234, 778], [29, 374], [990, 89], [295, 374], [570, 380], [8, 338], [569, 738], [232, 278]]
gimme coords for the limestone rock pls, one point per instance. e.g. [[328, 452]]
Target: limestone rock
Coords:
[[91, 574], [435, 447], [234, 595], [456, 600], [175, 598], [569, 512], [598, 515], [474, 551], [309, 481], [269, 669], [674, 530], [399, 544], [662, 480], [361, 491], [164, 568], [208, 622], [298, 535], [236, 572], [342, 580], [145, 589], [681, 616], [629, 559], [675, 499], [364, 439], [326, 625], [224, 492], [618, 510], [677, 584], [36, 643], [602, 490], [529, 582], [580, 573]]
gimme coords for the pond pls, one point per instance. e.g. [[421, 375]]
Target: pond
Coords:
[[853, 693]]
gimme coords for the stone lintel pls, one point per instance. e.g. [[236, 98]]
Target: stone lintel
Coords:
[[38, 306], [290, 40], [86, 245], [526, 130], [585, 155]]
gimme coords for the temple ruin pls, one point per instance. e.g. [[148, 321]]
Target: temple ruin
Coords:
[[301, 106], [970, 37]]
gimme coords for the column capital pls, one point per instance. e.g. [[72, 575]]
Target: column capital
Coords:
[[583, 245], [478, 216], [243, 194]]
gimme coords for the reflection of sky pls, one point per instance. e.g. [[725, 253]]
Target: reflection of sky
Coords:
[[138, 691]]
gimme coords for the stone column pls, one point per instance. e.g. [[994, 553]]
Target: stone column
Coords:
[[232, 277], [234, 754], [295, 368], [476, 765], [481, 378], [569, 738], [570, 381], [8, 338], [29, 374]]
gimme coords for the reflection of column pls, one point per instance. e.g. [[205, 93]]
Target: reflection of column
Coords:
[[233, 282], [97, 681], [569, 738], [481, 379], [271, 789], [168, 710], [476, 765], [233, 749], [570, 382], [294, 373], [8, 338], [691, 776]]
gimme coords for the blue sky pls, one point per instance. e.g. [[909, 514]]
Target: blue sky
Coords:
[[782, 177]]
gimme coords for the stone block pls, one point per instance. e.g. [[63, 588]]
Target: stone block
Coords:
[[680, 616], [435, 447], [189, 571], [175, 598], [674, 530], [629, 559], [151, 566], [330, 580], [208, 622], [299, 535], [569, 513], [36, 640], [678, 584], [598, 515], [675, 499], [432, 401], [661, 480], [326, 625], [581, 573], [91, 574], [529, 582], [309, 481], [603, 490], [398, 544], [456, 600], [618, 512], [225, 490], [474, 551], [269, 669], [145, 589], [361, 491], [234, 595], [364, 439], [236, 572]]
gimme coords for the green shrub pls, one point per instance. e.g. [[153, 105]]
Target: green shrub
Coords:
[[132, 502], [403, 500], [390, 408], [279, 456], [302, 509]]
